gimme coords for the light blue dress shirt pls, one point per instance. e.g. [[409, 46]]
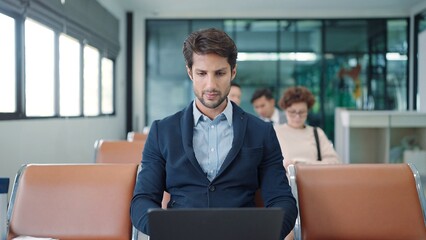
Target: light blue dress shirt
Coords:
[[212, 139]]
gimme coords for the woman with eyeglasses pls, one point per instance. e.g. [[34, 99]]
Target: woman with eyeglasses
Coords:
[[297, 139]]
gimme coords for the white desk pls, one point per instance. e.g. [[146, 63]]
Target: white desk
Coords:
[[368, 136]]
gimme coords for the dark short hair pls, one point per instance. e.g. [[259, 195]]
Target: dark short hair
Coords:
[[295, 95], [260, 93], [207, 41]]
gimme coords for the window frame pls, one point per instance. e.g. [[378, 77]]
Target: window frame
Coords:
[[106, 52]]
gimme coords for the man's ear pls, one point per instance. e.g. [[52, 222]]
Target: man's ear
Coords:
[[188, 70], [234, 72]]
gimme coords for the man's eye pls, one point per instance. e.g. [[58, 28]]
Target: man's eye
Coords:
[[201, 73], [221, 73]]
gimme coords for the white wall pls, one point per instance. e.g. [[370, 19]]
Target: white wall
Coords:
[[64, 140], [138, 72], [269, 9], [418, 8]]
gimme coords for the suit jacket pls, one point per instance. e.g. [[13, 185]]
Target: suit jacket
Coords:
[[282, 118], [169, 164]]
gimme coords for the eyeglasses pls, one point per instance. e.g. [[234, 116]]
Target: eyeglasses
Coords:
[[293, 113]]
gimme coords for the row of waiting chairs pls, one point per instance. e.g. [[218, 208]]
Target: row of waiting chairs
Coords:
[[136, 136], [72, 201], [83, 201], [359, 201], [92, 201], [121, 151], [89, 201]]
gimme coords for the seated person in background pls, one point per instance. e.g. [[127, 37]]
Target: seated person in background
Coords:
[[297, 139], [211, 154], [264, 105], [235, 93]]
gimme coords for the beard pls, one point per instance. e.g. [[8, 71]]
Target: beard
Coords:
[[215, 103]]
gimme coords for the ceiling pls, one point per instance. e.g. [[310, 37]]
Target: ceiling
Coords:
[[270, 8]]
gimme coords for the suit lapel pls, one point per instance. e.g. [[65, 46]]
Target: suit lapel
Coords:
[[187, 127]]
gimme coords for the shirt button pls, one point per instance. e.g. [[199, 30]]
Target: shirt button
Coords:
[[212, 149], [212, 188], [212, 126]]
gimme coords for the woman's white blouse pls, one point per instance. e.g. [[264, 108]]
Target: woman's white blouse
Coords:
[[299, 145]]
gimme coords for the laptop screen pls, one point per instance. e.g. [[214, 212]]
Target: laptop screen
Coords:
[[215, 224]]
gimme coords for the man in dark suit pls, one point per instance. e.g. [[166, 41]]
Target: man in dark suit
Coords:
[[211, 154], [264, 105]]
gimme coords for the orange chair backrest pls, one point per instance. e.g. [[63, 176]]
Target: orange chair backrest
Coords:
[[136, 136], [359, 201], [118, 151], [73, 202]]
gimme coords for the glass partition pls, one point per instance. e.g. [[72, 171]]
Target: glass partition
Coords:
[[353, 63], [420, 60]]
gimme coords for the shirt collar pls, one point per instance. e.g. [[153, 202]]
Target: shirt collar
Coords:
[[199, 116], [275, 116]]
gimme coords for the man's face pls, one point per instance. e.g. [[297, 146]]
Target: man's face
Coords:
[[235, 95], [264, 107], [211, 76]]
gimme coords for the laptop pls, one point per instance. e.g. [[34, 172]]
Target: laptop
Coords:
[[215, 224]]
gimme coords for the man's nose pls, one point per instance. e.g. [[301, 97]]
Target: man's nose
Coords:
[[211, 81]]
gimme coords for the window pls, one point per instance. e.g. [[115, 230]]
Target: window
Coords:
[[39, 69], [107, 106], [419, 101], [69, 76], [53, 65], [397, 65], [7, 65], [164, 44], [91, 81], [343, 61]]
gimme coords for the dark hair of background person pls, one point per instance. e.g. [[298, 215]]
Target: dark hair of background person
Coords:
[[294, 95], [207, 41], [235, 85], [260, 93]]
